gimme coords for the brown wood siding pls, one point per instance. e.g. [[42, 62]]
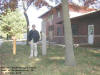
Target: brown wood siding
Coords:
[[82, 22]]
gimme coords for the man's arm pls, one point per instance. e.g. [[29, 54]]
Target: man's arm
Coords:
[[38, 36]]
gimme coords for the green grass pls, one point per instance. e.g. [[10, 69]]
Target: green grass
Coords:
[[88, 60]]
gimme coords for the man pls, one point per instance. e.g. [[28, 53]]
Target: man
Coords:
[[33, 38]]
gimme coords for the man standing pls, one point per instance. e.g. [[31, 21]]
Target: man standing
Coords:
[[33, 38]]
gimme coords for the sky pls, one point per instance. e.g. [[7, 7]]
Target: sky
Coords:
[[78, 2], [33, 15]]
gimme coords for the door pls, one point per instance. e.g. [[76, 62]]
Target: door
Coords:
[[90, 34]]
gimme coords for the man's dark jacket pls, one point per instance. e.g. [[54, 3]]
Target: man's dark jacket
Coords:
[[33, 34]]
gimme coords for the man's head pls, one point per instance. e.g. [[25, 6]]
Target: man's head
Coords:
[[33, 26]]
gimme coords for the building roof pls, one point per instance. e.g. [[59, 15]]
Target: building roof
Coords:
[[92, 13], [89, 14], [73, 6]]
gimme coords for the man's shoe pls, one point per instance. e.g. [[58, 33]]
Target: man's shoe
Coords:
[[30, 56]]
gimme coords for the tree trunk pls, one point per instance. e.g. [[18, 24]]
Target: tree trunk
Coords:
[[14, 45], [44, 48], [69, 56], [27, 20]]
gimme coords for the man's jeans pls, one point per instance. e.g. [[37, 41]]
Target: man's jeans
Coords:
[[33, 47]]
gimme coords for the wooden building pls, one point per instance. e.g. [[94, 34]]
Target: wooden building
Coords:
[[84, 21]]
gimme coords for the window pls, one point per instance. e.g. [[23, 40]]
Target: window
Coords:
[[58, 14], [74, 29], [51, 28], [59, 31], [50, 18]]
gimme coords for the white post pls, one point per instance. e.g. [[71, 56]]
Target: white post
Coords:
[[44, 48]]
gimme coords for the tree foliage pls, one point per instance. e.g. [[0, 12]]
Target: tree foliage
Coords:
[[13, 4], [12, 24]]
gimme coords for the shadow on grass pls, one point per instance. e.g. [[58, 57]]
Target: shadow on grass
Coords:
[[94, 56], [53, 62], [95, 53], [47, 61]]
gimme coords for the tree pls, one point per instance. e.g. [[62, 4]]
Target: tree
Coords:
[[12, 24], [85, 3], [70, 59], [89, 2], [25, 8]]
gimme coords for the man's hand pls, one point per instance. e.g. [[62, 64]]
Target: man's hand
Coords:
[[38, 42]]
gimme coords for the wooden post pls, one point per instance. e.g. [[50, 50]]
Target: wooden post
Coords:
[[44, 48], [14, 45]]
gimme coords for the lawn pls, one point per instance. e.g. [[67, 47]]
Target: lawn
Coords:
[[87, 59]]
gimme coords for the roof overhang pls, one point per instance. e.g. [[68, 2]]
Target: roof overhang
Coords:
[[90, 14]]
